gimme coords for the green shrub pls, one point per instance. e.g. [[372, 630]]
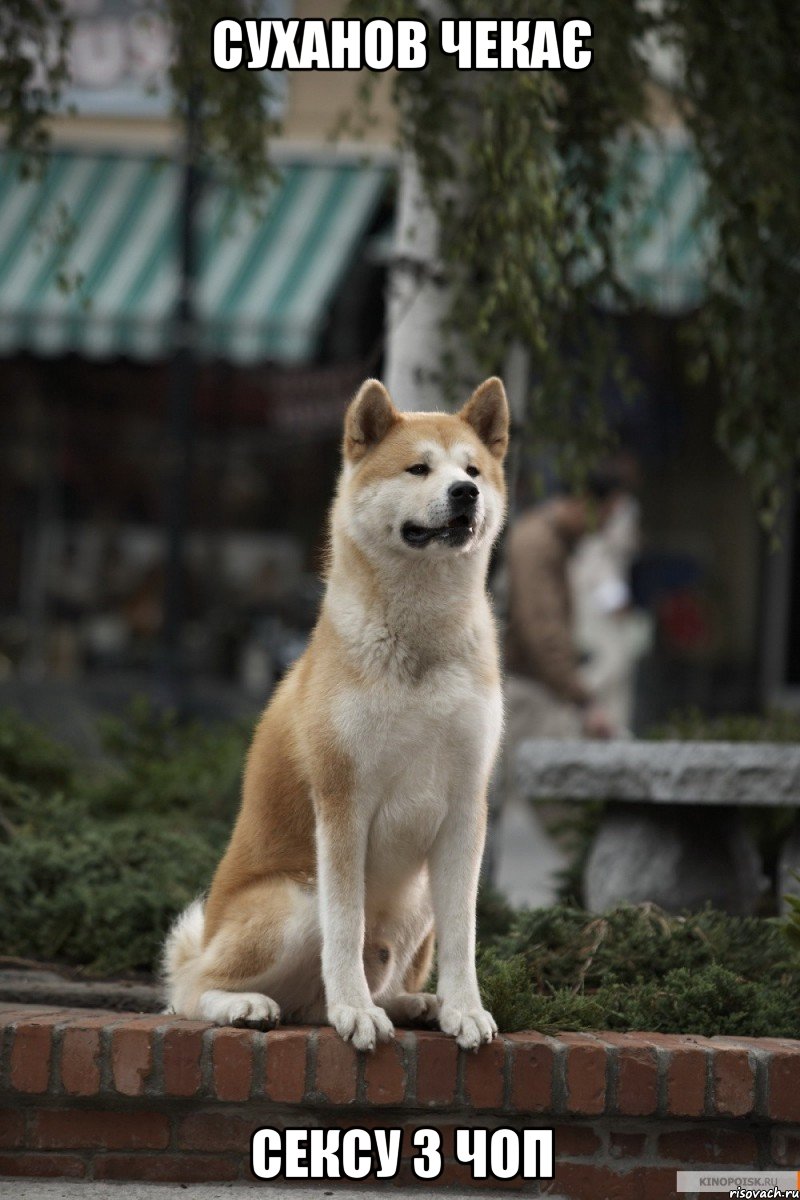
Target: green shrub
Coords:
[[160, 765], [692, 725], [96, 860], [792, 922], [95, 863], [637, 968], [495, 915], [568, 947], [710, 1002], [100, 894], [30, 756]]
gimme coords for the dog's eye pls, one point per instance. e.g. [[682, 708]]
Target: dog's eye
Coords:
[[472, 471], [419, 469]]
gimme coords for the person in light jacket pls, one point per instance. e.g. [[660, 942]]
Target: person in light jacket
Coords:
[[546, 693]]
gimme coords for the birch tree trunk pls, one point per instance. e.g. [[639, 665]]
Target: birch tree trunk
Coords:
[[417, 301]]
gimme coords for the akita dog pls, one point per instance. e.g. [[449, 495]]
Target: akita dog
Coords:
[[363, 814]]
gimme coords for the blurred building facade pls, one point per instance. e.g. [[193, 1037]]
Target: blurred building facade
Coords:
[[291, 315]]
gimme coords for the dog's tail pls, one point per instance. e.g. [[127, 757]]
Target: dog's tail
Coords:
[[182, 950]]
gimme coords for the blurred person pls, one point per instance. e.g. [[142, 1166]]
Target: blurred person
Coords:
[[547, 695], [611, 634]]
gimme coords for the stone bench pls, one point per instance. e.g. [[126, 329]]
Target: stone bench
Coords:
[[672, 832]]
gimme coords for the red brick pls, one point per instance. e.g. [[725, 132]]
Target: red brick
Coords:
[[455, 1174], [359, 1119], [687, 1071], [77, 1129], [232, 1063], [385, 1073], [12, 1128], [91, 1019], [585, 1074], [709, 1147], [770, 1044], [166, 1168], [80, 1061], [182, 1050], [658, 1183], [11, 1013], [626, 1145], [437, 1063], [576, 1141], [784, 1085], [484, 1070], [150, 1022], [637, 1074], [285, 1079], [751, 1043], [216, 1132], [31, 1053], [587, 1181], [409, 1150], [337, 1067], [785, 1147], [532, 1059], [42, 1166], [734, 1083], [79, 1017], [131, 1059]]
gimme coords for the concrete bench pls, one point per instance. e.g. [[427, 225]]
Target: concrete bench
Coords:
[[672, 832]]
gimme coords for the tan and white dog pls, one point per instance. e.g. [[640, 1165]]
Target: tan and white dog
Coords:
[[364, 801]]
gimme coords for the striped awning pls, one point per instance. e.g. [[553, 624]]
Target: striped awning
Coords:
[[88, 257], [663, 246]]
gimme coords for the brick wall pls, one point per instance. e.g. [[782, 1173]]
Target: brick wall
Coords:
[[106, 1095]]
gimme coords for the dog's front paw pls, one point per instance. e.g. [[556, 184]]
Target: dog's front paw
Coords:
[[361, 1026], [413, 1006], [469, 1026], [249, 1009]]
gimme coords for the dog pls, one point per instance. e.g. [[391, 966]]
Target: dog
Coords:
[[363, 812]]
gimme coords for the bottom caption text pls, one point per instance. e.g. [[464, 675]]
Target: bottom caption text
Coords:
[[356, 1153]]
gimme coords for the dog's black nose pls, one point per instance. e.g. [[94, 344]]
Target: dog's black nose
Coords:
[[462, 494]]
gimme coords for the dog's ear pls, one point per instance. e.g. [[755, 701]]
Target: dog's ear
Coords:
[[487, 412], [369, 418]]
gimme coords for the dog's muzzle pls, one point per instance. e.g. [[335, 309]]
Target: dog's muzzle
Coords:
[[462, 498]]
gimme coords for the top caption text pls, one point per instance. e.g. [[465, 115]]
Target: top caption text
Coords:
[[378, 45]]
